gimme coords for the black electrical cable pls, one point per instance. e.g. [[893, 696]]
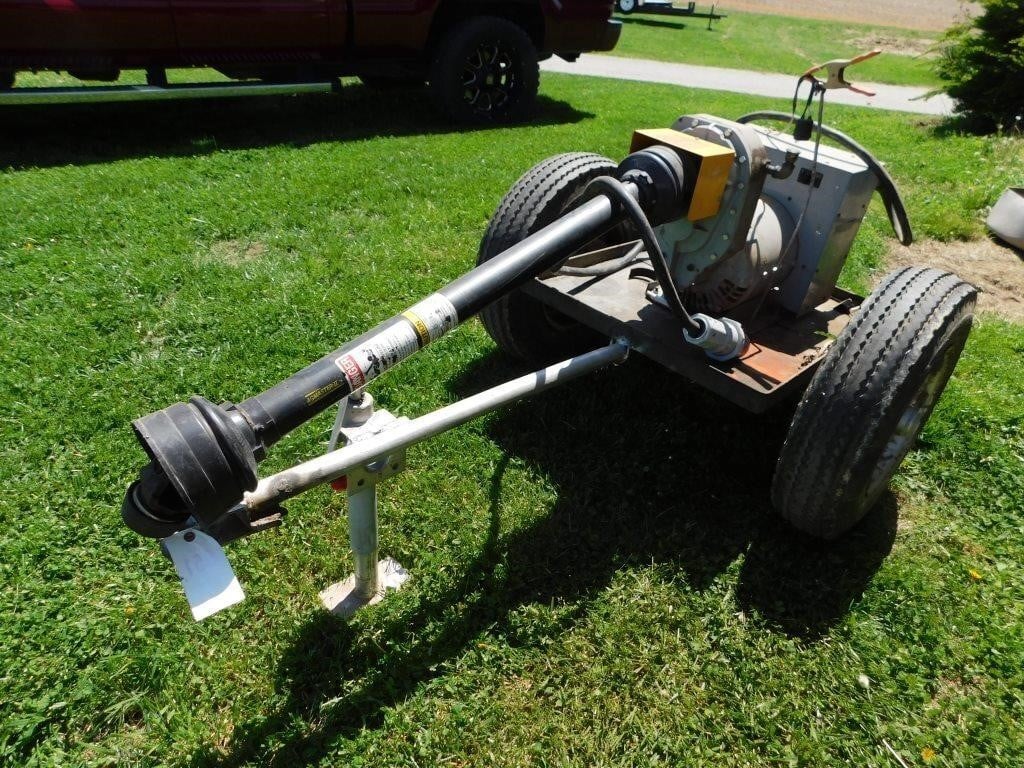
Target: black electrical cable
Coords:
[[894, 207], [618, 193], [816, 90], [810, 97]]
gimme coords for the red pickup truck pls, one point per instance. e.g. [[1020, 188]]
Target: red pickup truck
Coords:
[[479, 56]]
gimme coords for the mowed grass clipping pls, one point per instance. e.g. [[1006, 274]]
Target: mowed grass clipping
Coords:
[[598, 578], [768, 43]]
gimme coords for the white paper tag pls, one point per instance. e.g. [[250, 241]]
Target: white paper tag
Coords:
[[206, 576]]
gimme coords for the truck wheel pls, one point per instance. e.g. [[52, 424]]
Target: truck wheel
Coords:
[[521, 326], [869, 399], [485, 71], [625, 6]]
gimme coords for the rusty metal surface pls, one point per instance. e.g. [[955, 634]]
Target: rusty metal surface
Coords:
[[783, 353]]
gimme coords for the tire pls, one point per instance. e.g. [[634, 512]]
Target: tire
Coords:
[[626, 6], [521, 326], [485, 71], [869, 399]]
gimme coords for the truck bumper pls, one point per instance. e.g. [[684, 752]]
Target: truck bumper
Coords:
[[612, 30], [570, 39]]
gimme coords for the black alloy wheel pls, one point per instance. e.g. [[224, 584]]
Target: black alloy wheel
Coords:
[[485, 71]]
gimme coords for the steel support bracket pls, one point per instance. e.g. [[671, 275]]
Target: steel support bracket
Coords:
[[381, 468]]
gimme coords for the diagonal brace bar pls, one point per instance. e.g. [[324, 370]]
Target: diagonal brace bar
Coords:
[[291, 482]]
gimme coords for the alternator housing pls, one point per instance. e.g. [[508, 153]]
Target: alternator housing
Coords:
[[748, 246]]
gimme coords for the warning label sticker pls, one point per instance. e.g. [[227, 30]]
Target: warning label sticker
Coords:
[[431, 318], [378, 353]]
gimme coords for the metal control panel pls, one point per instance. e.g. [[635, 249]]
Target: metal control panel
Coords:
[[840, 185]]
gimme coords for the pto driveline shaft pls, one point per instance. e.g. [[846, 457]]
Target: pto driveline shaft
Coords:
[[298, 398], [203, 457]]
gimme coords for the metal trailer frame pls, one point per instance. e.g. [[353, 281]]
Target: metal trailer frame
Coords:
[[784, 349]]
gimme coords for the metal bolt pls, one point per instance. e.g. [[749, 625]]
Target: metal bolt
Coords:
[[190, 536]]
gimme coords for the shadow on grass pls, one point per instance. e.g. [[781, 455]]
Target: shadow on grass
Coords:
[[959, 124], [80, 134], [647, 469], [644, 22], [666, 24]]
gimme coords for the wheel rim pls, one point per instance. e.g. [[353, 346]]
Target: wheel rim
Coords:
[[488, 78], [909, 425], [627, 5]]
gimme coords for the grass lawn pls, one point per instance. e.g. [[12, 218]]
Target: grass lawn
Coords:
[[768, 43], [597, 576]]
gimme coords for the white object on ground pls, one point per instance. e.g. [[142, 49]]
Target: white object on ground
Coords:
[[206, 576], [1007, 217]]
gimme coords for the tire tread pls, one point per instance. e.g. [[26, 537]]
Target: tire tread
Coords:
[[856, 391], [533, 202]]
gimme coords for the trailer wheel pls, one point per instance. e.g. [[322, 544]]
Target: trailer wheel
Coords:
[[869, 399], [521, 326], [485, 71]]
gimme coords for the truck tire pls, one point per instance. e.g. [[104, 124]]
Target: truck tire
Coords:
[[626, 6], [485, 71], [869, 399], [521, 326]]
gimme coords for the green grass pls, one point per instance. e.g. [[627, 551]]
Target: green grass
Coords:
[[767, 43], [597, 576]]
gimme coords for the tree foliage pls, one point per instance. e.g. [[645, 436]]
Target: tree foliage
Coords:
[[982, 62]]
